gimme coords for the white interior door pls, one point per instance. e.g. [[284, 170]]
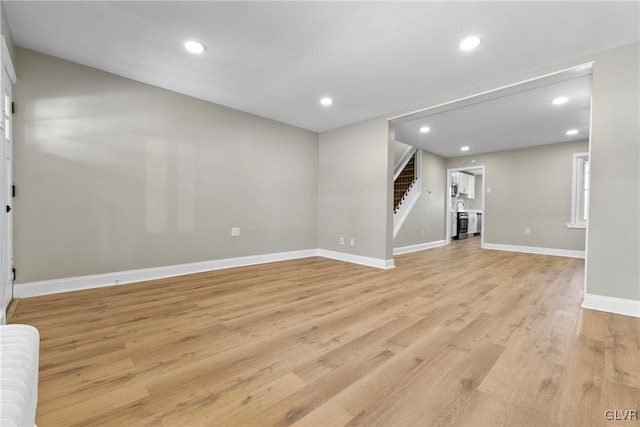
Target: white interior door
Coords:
[[6, 186]]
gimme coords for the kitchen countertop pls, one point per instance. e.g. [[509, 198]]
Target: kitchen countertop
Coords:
[[468, 210]]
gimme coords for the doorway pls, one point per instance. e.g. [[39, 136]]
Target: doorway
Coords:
[[8, 79], [471, 132], [466, 198]]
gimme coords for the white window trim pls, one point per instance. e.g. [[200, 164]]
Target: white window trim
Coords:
[[577, 191]]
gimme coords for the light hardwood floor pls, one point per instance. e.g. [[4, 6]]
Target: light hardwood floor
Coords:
[[452, 336]]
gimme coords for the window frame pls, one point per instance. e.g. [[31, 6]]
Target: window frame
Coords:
[[581, 171]]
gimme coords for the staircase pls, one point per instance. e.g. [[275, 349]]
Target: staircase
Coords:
[[406, 186]]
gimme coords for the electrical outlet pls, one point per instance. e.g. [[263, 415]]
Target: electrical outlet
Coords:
[[488, 190], [341, 240], [422, 231], [527, 231], [352, 242], [235, 231]]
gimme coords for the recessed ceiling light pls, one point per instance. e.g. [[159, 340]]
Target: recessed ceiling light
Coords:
[[572, 131], [326, 101], [560, 100], [470, 43], [464, 148], [194, 47], [425, 129]]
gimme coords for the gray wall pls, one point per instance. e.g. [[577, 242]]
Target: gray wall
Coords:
[[613, 261], [116, 175], [426, 222], [476, 202], [530, 188], [6, 32], [355, 169], [399, 148], [354, 173]]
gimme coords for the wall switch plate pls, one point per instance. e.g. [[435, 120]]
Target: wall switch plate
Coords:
[[527, 230], [352, 242], [341, 240], [488, 189], [235, 231]]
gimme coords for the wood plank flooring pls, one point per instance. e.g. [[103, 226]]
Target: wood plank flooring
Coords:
[[453, 336]]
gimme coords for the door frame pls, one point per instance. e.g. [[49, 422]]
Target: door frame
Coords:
[[448, 193], [6, 257]]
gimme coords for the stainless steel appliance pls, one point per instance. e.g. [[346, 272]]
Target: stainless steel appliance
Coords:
[[463, 223]]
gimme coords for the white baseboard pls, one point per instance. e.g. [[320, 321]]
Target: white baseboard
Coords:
[[418, 247], [47, 287], [56, 286], [357, 259], [627, 307], [535, 250]]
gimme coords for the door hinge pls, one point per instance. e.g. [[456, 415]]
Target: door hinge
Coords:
[[8, 208], [13, 107], [13, 191], [14, 274]]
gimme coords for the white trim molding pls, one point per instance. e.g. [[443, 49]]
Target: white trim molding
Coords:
[[578, 186], [581, 226], [419, 247], [501, 91], [449, 218], [405, 208], [408, 154], [7, 63], [383, 264], [535, 250], [56, 286], [413, 193], [626, 307]]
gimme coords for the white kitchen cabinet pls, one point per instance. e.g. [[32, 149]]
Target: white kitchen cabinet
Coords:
[[466, 184], [454, 224], [463, 185], [472, 228], [471, 187]]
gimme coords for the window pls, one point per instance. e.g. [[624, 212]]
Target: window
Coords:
[[580, 191]]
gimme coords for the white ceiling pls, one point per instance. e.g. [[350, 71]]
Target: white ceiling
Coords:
[[276, 59], [516, 120]]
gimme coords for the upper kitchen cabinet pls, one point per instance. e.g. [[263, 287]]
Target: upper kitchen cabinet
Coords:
[[471, 186], [466, 184]]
